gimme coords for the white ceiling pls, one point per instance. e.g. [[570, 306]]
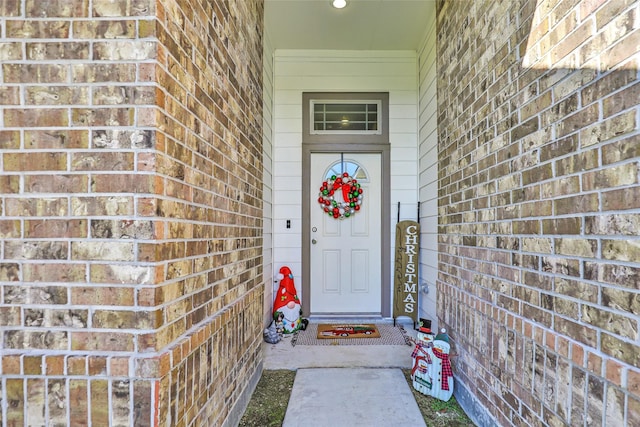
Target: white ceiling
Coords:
[[362, 25]]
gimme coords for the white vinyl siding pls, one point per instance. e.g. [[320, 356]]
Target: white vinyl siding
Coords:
[[428, 176], [267, 179], [298, 71]]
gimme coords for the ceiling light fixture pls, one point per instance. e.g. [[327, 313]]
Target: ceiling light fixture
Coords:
[[339, 4]]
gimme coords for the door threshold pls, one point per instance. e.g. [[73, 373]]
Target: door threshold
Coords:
[[349, 318]]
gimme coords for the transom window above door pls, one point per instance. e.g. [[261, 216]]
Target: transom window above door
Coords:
[[360, 117], [345, 117]]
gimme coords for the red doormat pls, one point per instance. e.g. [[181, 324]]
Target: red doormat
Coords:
[[334, 331]]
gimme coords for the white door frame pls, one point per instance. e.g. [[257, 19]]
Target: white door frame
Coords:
[[384, 149]]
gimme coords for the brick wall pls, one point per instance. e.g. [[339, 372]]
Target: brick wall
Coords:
[[131, 227], [538, 106]]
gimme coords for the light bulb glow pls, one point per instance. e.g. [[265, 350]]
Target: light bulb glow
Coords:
[[339, 4]]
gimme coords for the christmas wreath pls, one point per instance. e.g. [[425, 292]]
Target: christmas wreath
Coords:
[[349, 191]]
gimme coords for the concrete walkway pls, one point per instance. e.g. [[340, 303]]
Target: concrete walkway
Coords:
[[334, 397], [285, 356], [346, 385]]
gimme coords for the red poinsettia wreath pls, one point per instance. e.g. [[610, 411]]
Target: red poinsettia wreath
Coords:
[[347, 189]]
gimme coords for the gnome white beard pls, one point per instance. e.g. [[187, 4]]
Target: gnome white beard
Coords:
[[291, 317]]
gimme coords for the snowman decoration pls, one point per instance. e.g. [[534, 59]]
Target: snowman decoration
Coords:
[[432, 374]]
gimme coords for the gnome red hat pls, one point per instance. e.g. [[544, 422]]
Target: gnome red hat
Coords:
[[287, 294], [286, 304]]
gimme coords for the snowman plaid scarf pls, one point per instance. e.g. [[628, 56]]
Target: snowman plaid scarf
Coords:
[[446, 367]]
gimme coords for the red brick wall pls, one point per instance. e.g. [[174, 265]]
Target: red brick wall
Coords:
[[539, 206], [131, 225]]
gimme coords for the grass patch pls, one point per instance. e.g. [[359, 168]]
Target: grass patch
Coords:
[[438, 413], [269, 401]]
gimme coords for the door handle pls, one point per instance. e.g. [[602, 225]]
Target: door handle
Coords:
[[314, 241]]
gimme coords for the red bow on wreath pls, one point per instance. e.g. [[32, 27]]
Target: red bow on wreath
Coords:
[[351, 196]]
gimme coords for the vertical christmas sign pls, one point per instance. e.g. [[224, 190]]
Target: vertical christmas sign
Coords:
[[405, 301]]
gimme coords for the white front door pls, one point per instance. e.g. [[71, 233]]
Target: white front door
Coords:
[[345, 254]]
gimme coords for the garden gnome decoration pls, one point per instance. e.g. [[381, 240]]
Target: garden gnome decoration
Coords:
[[287, 303]]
